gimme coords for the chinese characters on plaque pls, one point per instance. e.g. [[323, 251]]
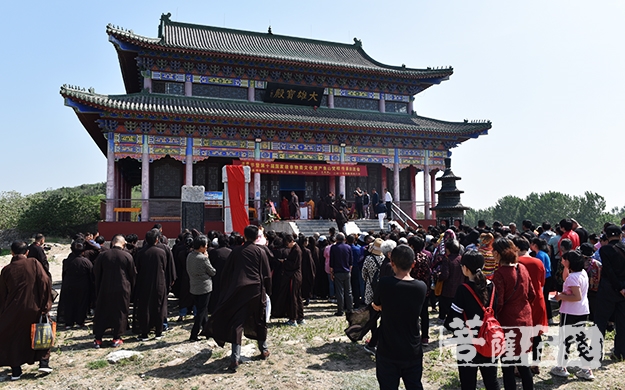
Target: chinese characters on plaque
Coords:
[[293, 94]]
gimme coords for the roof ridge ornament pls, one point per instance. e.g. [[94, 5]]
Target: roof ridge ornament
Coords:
[[269, 30], [165, 18], [357, 42]]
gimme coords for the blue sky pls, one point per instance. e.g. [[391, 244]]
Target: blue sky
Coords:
[[548, 74]]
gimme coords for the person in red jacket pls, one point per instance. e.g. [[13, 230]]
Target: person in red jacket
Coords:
[[515, 293], [536, 269], [567, 227]]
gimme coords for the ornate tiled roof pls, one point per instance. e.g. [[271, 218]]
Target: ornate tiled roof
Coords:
[[258, 113], [207, 39]]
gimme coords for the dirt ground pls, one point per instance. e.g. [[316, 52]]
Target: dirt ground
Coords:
[[316, 355]]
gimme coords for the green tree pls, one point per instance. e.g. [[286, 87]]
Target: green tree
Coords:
[[12, 204], [63, 211], [472, 216], [60, 214], [589, 210], [508, 210]]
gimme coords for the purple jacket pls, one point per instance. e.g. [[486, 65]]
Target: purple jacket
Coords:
[[341, 259], [451, 275]]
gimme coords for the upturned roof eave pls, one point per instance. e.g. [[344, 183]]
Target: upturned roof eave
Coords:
[[285, 115], [157, 44]]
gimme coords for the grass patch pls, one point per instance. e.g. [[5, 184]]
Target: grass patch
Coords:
[[132, 359], [97, 364], [337, 356], [452, 381], [359, 382], [5, 252]]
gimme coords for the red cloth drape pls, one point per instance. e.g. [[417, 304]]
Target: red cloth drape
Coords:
[[236, 195]]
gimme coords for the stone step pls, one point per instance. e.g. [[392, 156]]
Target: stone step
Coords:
[[310, 226]]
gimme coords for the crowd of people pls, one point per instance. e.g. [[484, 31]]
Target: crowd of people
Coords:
[[363, 206], [244, 280]]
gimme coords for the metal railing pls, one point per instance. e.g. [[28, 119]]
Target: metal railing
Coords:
[[403, 217], [415, 210], [157, 210]]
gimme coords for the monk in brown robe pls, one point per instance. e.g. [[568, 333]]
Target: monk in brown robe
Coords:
[[77, 288], [284, 209], [35, 251], [114, 273], [308, 269], [218, 258], [151, 289], [292, 282], [25, 295], [294, 206], [242, 302], [181, 287]]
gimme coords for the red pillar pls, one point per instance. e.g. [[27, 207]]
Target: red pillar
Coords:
[[384, 182], [413, 191]]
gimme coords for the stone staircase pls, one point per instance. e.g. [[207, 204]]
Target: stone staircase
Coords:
[[366, 225], [309, 226], [321, 226]]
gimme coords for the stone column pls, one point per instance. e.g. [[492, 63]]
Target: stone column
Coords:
[[330, 98], [413, 191], [257, 204], [188, 88], [433, 190], [145, 180], [383, 180], [427, 200], [382, 103], [250, 92], [110, 178], [188, 174], [342, 177], [396, 197], [147, 83], [410, 105]]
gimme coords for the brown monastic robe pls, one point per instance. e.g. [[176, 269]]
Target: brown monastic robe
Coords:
[[114, 273], [77, 289], [309, 269], [241, 306], [288, 302], [151, 289], [25, 294], [218, 258], [36, 252], [182, 285]]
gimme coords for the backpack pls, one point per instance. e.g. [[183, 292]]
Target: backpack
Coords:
[[490, 339]]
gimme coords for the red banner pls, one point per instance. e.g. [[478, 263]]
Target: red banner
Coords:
[[289, 168], [236, 195]]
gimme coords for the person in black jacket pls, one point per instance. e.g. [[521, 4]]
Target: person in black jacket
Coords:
[[380, 210], [611, 291]]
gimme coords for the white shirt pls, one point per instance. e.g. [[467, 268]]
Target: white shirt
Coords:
[[388, 197]]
